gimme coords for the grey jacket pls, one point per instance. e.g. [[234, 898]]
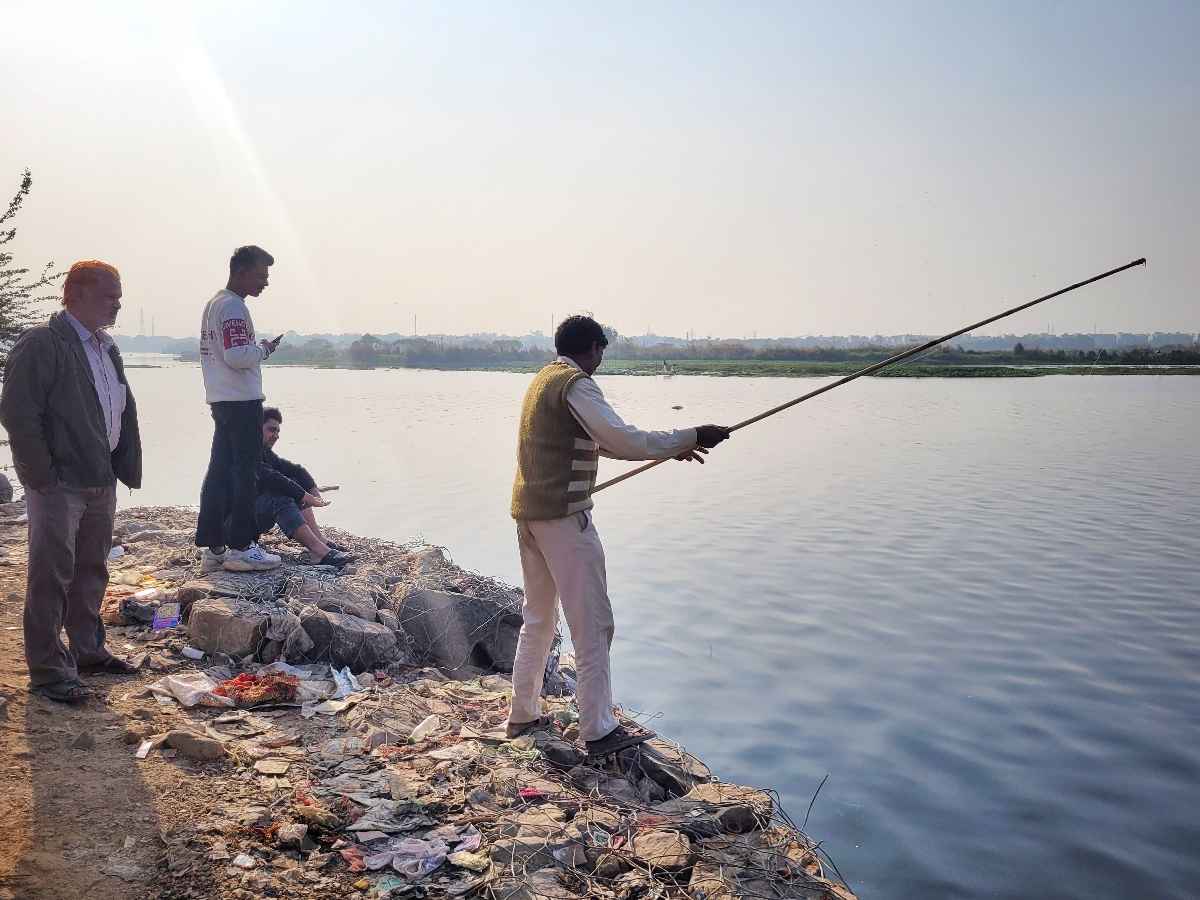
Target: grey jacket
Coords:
[[53, 417]]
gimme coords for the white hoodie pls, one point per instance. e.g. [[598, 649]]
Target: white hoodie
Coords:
[[230, 357]]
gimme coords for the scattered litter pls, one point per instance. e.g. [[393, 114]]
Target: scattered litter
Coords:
[[116, 552], [219, 852], [328, 708], [251, 690], [168, 615], [411, 857], [404, 775], [292, 835], [427, 727], [346, 683], [465, 859], [190, 689], [385, 886], [354, 858]]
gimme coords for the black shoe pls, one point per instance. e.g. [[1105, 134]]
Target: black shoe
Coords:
[[620, 738], [114, 665], [70, 692]]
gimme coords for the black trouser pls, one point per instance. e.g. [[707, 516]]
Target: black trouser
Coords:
[[231, 485]]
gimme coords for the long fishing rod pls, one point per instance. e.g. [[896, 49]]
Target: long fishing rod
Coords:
[[891, 360]]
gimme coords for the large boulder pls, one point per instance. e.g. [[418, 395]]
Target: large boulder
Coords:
[[455, 630], [715, 807], [662, 849], [343, 640], [258, 586], [333, 595], [675, 771], [6, 489], [224, 625]]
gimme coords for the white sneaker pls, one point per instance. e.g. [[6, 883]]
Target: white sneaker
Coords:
[[253, 559], [211, 562]]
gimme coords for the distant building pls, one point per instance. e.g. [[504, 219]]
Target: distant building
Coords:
[[1172, 339]]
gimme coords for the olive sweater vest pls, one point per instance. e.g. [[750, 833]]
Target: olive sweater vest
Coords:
[[556, 459]]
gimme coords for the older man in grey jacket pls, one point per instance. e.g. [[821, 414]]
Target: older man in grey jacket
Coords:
[[72, 426]]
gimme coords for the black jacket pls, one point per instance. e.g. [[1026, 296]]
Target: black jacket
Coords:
[[278, 476], [54, 421]]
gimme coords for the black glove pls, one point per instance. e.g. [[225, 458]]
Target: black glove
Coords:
[[711, 435]]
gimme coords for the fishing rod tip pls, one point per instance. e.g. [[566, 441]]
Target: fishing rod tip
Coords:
[[1139, 262]]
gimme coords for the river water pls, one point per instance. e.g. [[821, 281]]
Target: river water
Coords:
[[973, 603]]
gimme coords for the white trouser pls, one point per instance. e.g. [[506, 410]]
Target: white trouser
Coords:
[[563, 562]]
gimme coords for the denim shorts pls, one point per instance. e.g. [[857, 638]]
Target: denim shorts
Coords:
[[275, 509]]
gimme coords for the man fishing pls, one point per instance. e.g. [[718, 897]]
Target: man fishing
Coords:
[[566, 425]]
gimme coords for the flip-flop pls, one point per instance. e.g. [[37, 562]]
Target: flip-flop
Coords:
[[620, 738], [516, 729], [69, 692]]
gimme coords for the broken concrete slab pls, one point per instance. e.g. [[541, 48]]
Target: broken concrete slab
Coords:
[[236, 628]]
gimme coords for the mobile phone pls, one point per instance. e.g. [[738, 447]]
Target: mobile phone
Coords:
[[277, 339]]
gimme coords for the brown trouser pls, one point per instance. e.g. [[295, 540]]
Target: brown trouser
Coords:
[[70, 534]]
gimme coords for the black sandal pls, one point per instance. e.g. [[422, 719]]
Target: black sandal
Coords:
[[70, 692], [620, 738], [337, 559]]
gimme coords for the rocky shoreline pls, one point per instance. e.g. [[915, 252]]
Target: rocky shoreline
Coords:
[[347, 730]]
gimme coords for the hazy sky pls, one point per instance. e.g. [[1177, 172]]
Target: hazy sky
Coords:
[[733, 168]]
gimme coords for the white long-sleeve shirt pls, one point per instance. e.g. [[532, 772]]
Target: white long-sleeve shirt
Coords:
[[617, 438], [230, 357], [109, 390]]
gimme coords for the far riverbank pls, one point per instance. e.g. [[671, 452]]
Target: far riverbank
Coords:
[[768, 368]]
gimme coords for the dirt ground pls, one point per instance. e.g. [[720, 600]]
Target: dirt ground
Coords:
[[66, 812], [93, 821]]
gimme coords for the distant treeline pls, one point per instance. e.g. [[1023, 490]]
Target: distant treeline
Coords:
[[417, 353], [370, 351], [1018, 355]]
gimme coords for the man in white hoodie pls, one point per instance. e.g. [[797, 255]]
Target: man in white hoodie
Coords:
[[231, 362]]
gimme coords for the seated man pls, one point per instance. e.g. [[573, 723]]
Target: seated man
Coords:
[[287, 495]]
